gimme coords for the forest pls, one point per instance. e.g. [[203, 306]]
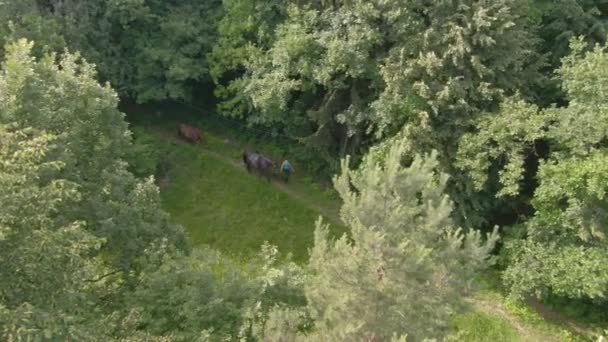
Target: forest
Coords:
[[450, 182]]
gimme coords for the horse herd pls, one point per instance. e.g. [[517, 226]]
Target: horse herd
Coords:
[[254, 161]]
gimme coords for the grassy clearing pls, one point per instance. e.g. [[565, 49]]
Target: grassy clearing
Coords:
[[223, 206], [212, 196], [321, 197], [477, 326], [228, 141]]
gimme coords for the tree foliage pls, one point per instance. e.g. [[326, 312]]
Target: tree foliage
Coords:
[[25, 19], [342, 76], [246, 27], [565, 239], [565, 248], [513, 105], [92, 138], [403, 252], [149, 50], [46, 272], [560, 21], [75, 223]]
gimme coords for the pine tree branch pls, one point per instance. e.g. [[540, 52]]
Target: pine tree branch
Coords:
[[102, 277]]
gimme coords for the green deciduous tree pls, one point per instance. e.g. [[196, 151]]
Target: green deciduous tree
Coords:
[[149, 50], [92, 138], [46, 273], [560, 21], [206, 295], [565, 247], [343, 75], [25, 19], [508, 136], [170, 48], [563, 244], [53, 286], [557, 22], [247, 26], [190, 294]]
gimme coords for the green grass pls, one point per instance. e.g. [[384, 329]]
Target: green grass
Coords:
[[475, 326], [537, 326], [221, 205], [323, 196]]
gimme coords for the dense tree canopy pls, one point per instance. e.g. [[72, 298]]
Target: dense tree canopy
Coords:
[[80, 235], [342, 76], [504, 98], [45, 269], [150, 50], [566, 237], [404, 252], [92, 139]]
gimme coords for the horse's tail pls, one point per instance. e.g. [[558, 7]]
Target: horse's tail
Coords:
[[245, 160]]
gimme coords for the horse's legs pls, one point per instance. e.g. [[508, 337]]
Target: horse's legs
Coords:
[[246, 163]]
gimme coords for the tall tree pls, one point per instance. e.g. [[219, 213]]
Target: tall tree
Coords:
[[206, 295], [246, 26], [64, 99], [469, 55], [26, 19], [343, 75], [562, 247], [404, 268], [53, 283], [46, 275], [148, 50], [558, 22]]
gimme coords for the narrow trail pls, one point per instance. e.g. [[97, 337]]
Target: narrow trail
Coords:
[[334, 217], [527, 332], [554, 316], [531, 332], [330, 215]]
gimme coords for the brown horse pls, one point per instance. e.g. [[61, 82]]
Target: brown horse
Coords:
[[260, 163], [190, 134]]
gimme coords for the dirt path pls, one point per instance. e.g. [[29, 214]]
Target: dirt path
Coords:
[[330, 215], [528, 333], [556, 317]]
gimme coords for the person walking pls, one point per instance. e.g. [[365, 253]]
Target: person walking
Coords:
[[287, 169]]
